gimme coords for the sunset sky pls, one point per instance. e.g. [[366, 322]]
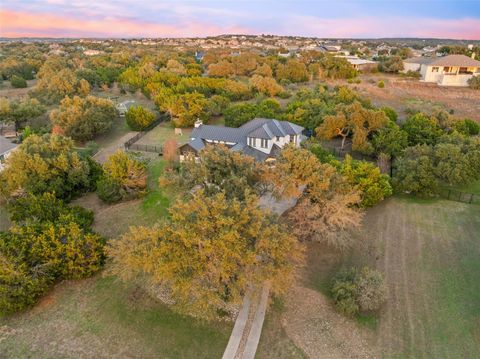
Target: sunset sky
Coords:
[[458, 19]]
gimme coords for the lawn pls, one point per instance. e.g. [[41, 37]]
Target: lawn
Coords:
[[113, 220], [101, 318], [430, 254], [163, 132]]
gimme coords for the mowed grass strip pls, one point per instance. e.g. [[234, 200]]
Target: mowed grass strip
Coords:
[[430, 254]]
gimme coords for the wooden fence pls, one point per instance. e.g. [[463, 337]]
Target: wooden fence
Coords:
[[146, 148]]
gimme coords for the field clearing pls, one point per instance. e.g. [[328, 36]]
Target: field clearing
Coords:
[[402, 93], [6, 89], [429, 252]]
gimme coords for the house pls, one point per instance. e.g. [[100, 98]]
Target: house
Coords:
[[360, 64], [451, 70], [124, 106], [259, 138], [6, 148], [414, 63]]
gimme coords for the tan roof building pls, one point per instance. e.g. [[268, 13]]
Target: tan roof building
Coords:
[[451, 70]]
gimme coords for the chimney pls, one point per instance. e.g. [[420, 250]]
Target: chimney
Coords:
[[198, 123], [473, 55]]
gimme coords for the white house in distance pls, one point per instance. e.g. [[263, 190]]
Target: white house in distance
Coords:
[[124, 106], [259, 138], [451, 70], [6, 148], [360, 64]]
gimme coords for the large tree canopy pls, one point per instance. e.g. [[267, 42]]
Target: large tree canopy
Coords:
[[46, 164], [84, 118], [203, 259]]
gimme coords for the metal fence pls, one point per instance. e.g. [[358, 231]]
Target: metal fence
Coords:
[[459, 196], [131, 145], [146, 148]]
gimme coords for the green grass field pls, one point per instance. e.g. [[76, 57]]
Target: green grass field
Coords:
[[429, 252], [101, 318]]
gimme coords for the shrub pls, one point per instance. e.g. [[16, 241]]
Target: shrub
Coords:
[[18, 82], [391, 113], [139, 118], [355, 291], [474, 82], [124, 178], [422, 129], [381, 84], [467, 127]]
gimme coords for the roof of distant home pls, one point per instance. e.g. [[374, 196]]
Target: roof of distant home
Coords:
[[6, 145], [455, 60], [420, 60]]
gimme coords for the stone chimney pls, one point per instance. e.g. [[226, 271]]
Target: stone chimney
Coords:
[[198, 123]]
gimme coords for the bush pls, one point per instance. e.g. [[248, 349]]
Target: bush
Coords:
[[124, 178], [381, 84], [18, 82], [34, 256], [474, 82], [355, 291], [139, 118], [391, 113], [467, 127]]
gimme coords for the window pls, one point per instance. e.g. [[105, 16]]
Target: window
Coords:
[[251, 142], [434, 69], [292, 138], [446, 69], [264, 143], [278, 138]]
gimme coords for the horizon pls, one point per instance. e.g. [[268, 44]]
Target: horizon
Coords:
[[343, 19]]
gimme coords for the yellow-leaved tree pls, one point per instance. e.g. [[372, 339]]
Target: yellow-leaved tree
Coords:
[[203, 258]]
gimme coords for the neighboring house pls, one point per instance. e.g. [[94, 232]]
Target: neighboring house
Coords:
[[259, 138], [6, 148], [123, 107], [451, 70], [414, 63], [360, 64]]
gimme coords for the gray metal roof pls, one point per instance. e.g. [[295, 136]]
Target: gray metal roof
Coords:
[[218, 133], [6, 145], [257, 128]]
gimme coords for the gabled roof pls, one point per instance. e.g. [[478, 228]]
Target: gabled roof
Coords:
[[6, 145], [217, 133], [455, 60], [422, 60]]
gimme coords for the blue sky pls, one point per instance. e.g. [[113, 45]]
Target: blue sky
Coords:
[[340, 18]]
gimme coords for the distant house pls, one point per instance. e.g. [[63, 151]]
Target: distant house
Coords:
[[333, 49], [259, 138], [123, 107], [415, 63], [6, 148], [360, 64], [451, 70]]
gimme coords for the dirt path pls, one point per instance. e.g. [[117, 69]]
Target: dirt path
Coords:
[[319, 331]]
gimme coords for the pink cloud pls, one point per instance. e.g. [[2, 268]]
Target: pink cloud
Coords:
[[26, 24], [468, 29]]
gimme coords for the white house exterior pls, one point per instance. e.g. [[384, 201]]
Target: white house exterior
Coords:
[[415, 63], [259, 138], [452, 70], [6, 148]]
